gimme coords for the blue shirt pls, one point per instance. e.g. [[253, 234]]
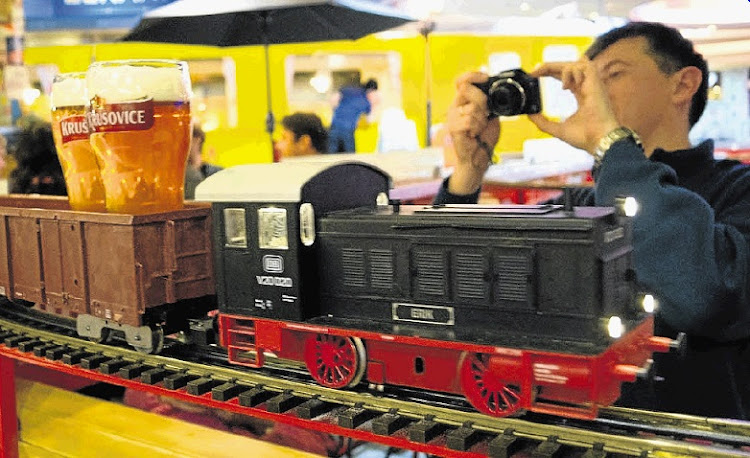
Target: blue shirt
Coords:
[[352, 105]]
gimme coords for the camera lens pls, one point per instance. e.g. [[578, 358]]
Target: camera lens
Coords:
[[506, 98]]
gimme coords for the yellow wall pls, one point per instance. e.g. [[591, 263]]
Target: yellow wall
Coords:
[[451, 55]]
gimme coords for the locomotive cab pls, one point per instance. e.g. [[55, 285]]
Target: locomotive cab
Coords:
[[264, 231]]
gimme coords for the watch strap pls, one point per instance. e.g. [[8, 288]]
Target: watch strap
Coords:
[[612, 137]]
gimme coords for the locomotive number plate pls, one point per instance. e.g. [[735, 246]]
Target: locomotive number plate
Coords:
[[418, 313]]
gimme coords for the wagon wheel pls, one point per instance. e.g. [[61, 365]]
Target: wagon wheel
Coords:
[[157, 342], [103, 336], [485, 392], [335, 361]]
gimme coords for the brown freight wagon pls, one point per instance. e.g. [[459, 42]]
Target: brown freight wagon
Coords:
[[137, 274]]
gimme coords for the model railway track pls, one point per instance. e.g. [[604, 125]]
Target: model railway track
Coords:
[[362, 415]]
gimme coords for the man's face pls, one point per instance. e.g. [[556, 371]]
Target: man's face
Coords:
[[288, 145], [639, 92]]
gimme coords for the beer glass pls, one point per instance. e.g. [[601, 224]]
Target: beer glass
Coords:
[[71, 133], [141, 129]]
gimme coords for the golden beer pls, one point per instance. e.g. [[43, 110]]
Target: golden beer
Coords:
[[141, 130], [71, 134]]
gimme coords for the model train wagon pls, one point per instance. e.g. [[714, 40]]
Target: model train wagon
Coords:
[[515, 307], [141, 275]]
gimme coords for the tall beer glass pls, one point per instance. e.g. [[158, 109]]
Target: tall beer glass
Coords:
[[71, 133], [141, 130]]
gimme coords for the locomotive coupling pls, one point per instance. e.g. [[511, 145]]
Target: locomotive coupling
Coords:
[[630, 372], [665, 344]]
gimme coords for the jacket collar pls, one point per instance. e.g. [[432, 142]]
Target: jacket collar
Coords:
[[686, 159]]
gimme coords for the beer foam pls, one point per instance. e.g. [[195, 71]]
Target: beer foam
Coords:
[[69, 92], [125, 83]]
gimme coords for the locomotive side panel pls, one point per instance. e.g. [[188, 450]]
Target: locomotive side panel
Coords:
[[490, 280]]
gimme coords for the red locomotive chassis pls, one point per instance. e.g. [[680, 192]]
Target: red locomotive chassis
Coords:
[[497, 381], [112, 269]]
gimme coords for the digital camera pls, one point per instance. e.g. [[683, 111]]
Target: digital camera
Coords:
[[512, 92]]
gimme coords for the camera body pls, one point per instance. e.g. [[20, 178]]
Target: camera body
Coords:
[[512, 92]]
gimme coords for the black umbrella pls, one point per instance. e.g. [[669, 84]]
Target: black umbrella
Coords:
[[252, 22]]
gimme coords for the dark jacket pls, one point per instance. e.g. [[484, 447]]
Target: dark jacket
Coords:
[[691, 245]]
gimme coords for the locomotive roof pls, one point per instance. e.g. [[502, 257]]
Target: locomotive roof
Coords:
[[274, 182]]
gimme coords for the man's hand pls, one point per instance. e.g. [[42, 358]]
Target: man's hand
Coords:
[[594, 117], [469, 127]]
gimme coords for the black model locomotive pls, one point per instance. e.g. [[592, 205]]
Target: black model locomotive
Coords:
[[515, 307]]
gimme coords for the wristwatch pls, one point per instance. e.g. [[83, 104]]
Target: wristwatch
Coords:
[[614, 136]]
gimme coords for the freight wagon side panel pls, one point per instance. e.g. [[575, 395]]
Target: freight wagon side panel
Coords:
[[193, 245], [115, 280], [25, 259], [63, 264]]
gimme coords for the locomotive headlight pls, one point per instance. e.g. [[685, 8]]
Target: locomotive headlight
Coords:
[[615, 327], [649, 303], [626, 206]]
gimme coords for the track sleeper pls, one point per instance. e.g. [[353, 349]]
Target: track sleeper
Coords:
[[389, 423], [93, 361], [154, 376], [201, 386], [463, 438], [355, 416], [283, 402], [112, 366], [227, 391], [12, 342], [505, 445], [30, 345], [425, 430], [40, 351], [314, 407], [255, 396], [56, 353], [548, 449], [132, 371], [179, 380]]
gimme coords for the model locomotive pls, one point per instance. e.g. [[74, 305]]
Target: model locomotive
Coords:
[[514, 307]]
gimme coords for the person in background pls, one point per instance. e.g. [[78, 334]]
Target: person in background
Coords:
[[197, 170], [38, 169], [352, 102], [640, 89], [302, 134]]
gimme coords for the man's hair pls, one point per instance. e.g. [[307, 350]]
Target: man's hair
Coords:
[[669, 49], [38, 170], [370, 85], [307, 124], [199, 133]]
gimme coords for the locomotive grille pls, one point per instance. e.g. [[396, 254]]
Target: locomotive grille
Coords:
[[431, 273], [381, 269], [353, 262], [512, 284], [469, 271]]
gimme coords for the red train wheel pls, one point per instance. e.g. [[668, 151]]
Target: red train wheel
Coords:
[[485, 392], [335, 361]]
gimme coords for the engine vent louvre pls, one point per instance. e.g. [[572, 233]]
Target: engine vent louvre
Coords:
[[381, 269], [353, 262], [512, 283], [469, 272], [431, 273]]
